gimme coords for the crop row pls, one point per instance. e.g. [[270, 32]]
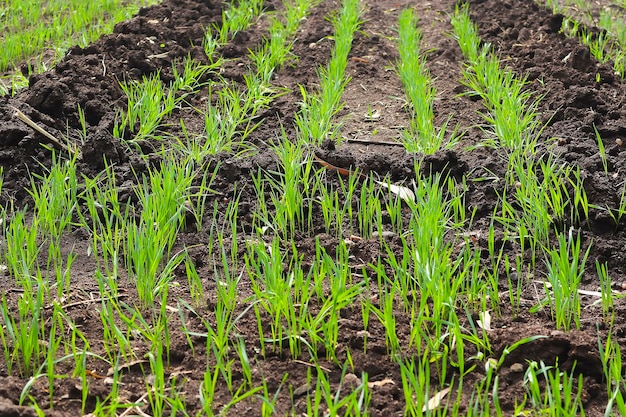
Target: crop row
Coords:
[[438, 279]]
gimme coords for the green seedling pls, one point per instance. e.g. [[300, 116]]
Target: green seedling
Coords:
[[512, 114], [354, 404], [315, 120], [23, 332], [290, 191], [148, 103], [276, 290], [322, 328], [150, 239], [238, 17], [562, 395], [602, 151], [29, 28], [606, 297], [608, 45], [565, 265], [422, 136], [54, 196], [611, 358]]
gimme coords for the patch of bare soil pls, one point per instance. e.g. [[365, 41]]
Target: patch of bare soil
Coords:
[[578, 94]]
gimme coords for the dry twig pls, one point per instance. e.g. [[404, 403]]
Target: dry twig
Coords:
[[41, 130]]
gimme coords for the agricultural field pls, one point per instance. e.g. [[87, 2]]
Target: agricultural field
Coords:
[[318, 208]]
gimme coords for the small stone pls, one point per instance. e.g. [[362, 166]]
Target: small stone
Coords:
[[363, 333], [517, 368], [7, 408], [350, 380], [385, 233], [301, 390], [150, 379], [524, 35]]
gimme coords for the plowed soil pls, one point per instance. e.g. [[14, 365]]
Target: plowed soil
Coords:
[[578, 94]]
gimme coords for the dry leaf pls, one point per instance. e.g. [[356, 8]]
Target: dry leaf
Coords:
[[435, 400], [340, 171], [592, 293], [404, 193], [581, 292], [485, 320], [109, 380], [128, 365]]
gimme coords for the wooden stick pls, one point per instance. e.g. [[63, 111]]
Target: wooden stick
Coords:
[[331, 167], [41, 130], [374, 142], [89, 301]]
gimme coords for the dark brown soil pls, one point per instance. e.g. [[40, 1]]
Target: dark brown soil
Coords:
[[578, 94]]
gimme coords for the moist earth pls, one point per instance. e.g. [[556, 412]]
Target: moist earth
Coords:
[[578, 94]]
